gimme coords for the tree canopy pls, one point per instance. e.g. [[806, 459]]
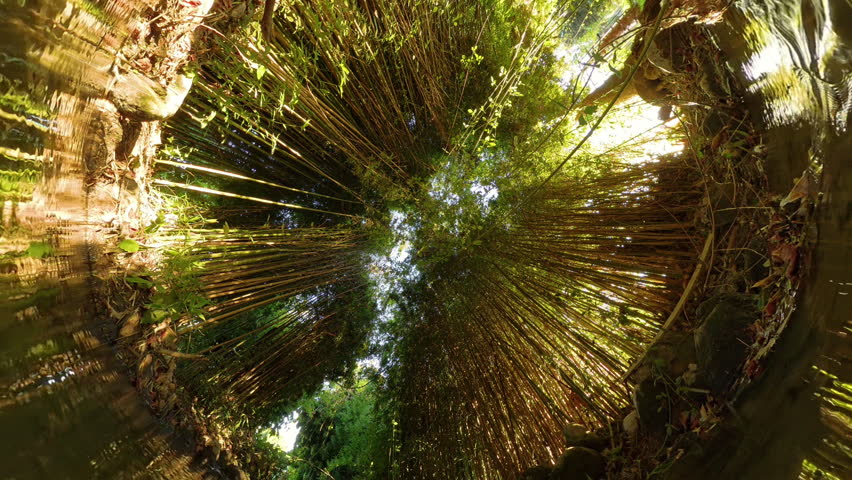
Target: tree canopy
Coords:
[[407, 180]]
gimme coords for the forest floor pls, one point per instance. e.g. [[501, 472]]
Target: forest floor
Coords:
[[757, 252], [739, 298], [122, 203], [736, 302], [735, 305]]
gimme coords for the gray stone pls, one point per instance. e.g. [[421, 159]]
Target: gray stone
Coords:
[[631, 424], [102, 138], [753, 260], [579, 463], [651, 406], [721, 340], [577, 435], [713, 124], [672, 353], [141, 98], [722, 202], [232, 472], [538, 472]]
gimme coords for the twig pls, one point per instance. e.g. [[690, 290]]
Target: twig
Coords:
[[699, 267], [172, 353], [266, 21]]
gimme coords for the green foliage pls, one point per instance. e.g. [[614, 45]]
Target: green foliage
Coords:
[[343, 432], [586, 115], [434, 138], [179, 291], [20, 97], [39, 250], [129, 245], [23, 124], [289, 312], [18, 185], [266, 459], [44, 349], [144, 283]]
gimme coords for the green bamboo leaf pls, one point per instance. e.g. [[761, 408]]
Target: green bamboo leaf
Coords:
[[614, 70], [154, 316], [39, 250], [129, 245], [139, 281]]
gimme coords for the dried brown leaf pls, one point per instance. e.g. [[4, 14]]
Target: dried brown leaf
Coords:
[[765, 282], [802, 189]]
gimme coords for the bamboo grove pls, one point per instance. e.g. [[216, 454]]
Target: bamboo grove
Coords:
[[527, 306]]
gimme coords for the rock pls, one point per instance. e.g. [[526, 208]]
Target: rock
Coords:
[[721, 340], [579, 463], [710, 82], [671, 354], [577, 435], [215, 449], [140, 98], [130, 325], [233, 472], [574, 434], [631, 424], [205, 456], [713, 124], [538, 472], [665, 113], [651, 405]]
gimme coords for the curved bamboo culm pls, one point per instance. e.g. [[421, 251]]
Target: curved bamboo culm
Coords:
[[338, 114], [341, 114], [305, 279], [551, 313]]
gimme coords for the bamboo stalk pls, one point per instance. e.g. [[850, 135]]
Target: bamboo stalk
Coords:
[[167, 183], [675, 313]]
